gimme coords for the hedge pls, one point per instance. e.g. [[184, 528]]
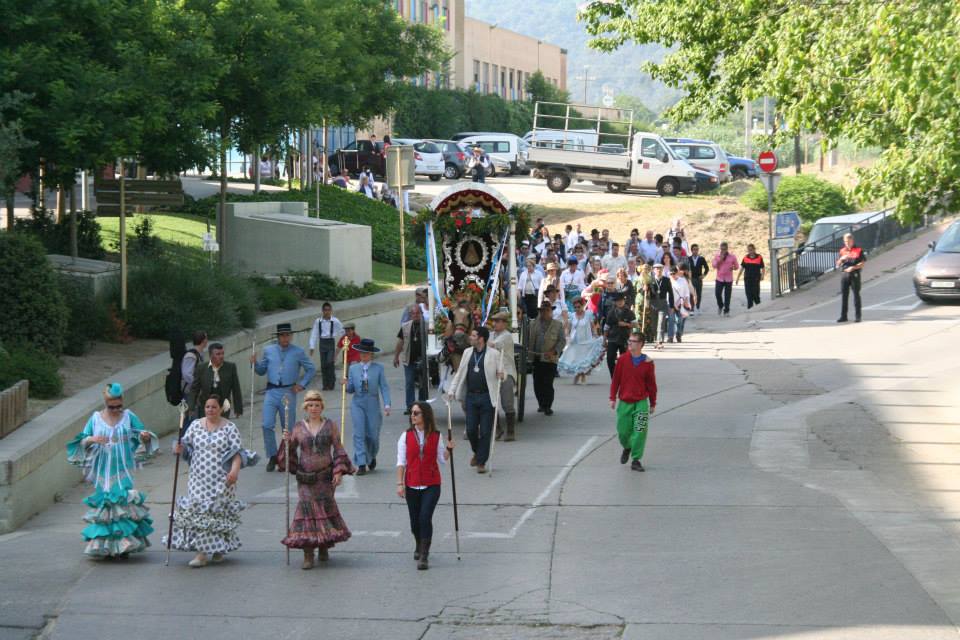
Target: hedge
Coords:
[[811, 197], [34, 311], [22, 361], [343, 206]]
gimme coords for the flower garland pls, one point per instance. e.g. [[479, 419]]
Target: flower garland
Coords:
[[464, 221]]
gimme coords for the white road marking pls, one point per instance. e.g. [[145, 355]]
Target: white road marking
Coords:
[[886, 302], [540, 499]]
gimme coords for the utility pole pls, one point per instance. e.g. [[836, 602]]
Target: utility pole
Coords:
[[747, 127], [586, 77]]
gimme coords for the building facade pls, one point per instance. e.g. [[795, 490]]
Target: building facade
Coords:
[[487, 58]]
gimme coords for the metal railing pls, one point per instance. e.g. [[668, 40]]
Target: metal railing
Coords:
[[810, 261]]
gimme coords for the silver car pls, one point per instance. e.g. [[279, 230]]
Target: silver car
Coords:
[[937, 275]]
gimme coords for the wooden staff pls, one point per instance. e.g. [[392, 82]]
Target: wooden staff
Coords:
[[453, 479], [496, 415], [253, 381], [345, 343], [176, 473], [286, 466]]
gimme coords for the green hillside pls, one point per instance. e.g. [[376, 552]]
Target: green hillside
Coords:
[[555, 21]]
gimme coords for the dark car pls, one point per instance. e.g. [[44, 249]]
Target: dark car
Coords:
[[454, 158], [937, 275], [355, 156], [704, 181]]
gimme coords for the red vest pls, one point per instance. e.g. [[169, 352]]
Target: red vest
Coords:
[[422, 472]]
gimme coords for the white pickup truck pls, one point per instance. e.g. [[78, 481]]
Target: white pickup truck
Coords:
[[648, 163]]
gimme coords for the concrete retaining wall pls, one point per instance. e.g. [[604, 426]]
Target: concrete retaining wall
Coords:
[[33, 466]]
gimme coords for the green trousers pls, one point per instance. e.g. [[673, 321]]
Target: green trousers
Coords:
[[632, 421]]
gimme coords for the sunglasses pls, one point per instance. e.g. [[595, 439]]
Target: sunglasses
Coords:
[[416, 412], [115, 407]]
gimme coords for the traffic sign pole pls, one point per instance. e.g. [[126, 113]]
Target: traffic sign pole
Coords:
[[768, 163]]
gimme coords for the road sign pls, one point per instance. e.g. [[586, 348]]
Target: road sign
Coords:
[[608, 101], [768, 161], [787, 224], [401, 166], [782, 243], [770, 181]]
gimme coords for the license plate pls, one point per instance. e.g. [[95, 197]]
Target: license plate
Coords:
[[941, 284]]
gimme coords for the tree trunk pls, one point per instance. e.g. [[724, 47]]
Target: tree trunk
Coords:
[[74, 248], [256, 171], [222, 209], [798, 159], [11, 215]]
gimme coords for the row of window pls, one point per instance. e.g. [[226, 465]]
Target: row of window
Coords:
[[509, 84], [424, 11]]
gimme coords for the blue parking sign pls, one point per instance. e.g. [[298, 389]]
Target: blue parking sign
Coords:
[[787, 224]]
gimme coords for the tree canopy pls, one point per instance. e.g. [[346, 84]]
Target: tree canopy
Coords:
[[879, 73]]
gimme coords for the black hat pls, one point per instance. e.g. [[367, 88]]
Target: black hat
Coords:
[[366, 345], [284, 327], [619, 296]]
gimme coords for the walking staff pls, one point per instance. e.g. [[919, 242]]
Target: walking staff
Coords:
[[496, 414], [453, 479], [343, 396], [253, 387], [176, 474], [286, 457]]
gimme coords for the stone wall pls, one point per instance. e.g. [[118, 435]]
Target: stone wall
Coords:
[[33, 466]]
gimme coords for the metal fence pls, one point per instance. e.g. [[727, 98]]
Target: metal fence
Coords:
[[810, 261]]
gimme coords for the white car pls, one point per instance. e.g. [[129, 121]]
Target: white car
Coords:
[[705, 156], [428, 157]]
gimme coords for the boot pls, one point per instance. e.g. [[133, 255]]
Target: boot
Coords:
[[323, 553], [423, 563], [307, 559], [511, 427], [416, 552]]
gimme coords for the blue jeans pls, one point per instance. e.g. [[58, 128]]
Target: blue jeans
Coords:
[[365, 411], [479, 424], [273, 405], [410, 373], [677, 323]]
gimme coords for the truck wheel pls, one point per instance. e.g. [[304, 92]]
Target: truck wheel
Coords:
[[668, 187], [451, 172], [435, 178], [557, 182], [616, 187], [739, 174]]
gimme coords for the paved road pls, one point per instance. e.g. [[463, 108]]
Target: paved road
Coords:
[[800, 484]]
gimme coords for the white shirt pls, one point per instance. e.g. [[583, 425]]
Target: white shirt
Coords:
[[402, 451], [613, 264], [323, 328], [575, 279], [681, 291], [529, 283], [573, 239], [649, 250]]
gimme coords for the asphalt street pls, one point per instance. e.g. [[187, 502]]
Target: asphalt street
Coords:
[[801, 483]]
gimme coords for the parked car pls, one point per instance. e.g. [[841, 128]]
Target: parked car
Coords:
[[818, 254], [706, 181], [427, 156], [502, 146], [611, 147], [742, 168], [355, 156], [454, 158], [937, 275], [702, 155]]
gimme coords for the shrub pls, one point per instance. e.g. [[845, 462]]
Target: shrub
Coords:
[[319, 286], [271, 297], [344, 206], [56, 237], [809, 196], [88, 319], [163, 295], [34, 311], [23, 361]]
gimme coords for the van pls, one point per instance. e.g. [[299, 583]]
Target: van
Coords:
[[501, 146], [570, 139], [703, 155], [818, 254]]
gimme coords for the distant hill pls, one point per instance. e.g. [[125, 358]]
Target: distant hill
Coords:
[[555, 21]]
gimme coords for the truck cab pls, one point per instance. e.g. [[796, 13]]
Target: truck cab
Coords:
[[655, 166]]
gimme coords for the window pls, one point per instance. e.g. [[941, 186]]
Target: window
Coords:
[[365, 146], [426, 147], [682, 152], [496, 78], [650, 148], [495, 146], [703, 153], [446, 14], [503, 82], [413, 11], [476, 75], [486, 77]]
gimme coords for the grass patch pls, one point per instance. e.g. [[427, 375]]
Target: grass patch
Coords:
[[389, 275]]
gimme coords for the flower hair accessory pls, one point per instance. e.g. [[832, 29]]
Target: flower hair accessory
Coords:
[[114, 390]]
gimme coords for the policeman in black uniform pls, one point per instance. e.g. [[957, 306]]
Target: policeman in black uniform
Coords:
[[850, 263]]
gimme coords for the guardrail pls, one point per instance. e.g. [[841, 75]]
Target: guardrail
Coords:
[[808, 262], [13, 407]]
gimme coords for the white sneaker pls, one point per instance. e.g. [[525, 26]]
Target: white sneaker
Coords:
[[199, 561]]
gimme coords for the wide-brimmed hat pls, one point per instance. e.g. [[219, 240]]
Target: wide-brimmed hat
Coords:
[[284, 327], [349, 325], [551, 265], [500, 315], [366, 345]]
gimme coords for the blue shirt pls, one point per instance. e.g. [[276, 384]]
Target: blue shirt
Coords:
[[375, 377], [282, 366]]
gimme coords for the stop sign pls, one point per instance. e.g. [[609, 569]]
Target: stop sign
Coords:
[[768, 161]]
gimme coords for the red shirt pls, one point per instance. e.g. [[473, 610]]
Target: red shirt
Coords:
[[634, 383], [352, 354], [422, 467]]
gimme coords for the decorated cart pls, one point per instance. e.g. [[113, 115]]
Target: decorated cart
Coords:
[[470, 232]]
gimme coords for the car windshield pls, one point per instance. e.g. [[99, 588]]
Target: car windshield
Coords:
[[823, 230], [949, 242], [426, 147]]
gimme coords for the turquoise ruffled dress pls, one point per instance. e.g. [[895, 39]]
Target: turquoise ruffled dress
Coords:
[[118, 520]]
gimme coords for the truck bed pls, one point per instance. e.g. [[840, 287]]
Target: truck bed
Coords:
[[544, 157]]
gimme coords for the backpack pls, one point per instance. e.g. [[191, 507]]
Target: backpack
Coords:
[[173, 383]]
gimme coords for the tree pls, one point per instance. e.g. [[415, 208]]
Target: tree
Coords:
[[12, 143], [881, 74]]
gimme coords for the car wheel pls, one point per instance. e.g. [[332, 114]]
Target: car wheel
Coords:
[[451, 172], [668, 187], [739, 174], [493, 171], [334, 169], [558, 182], [434, 178]]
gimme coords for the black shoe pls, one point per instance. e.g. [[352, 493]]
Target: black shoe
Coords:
[[670, 340], [539, 409], [857, 319], [726, 312], [841, 319], [272, 464], [362, 471], [720, 311], [548, 412], [373, 464], [636, 466], [679, 338], [625, 456]]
